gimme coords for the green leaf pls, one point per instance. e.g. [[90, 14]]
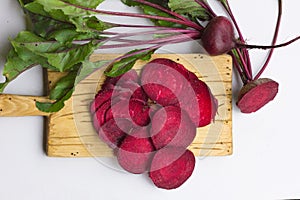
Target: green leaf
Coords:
[[190, 8], [54, 107], [125, 64], [86, 3], [13, 67], [89, 67], [65, 60], [155, 12]]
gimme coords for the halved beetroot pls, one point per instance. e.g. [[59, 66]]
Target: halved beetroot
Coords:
[[171, 167], [134, 110], [162, 83], [255, 94], [171, 126], [135, 152], [114, 131]]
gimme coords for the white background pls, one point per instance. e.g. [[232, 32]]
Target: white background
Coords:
[[265, 162]]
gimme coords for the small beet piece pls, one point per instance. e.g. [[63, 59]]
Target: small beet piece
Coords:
[[218, 36], [131, 89], [172, 126], [171, 167], [161, 82], [135, 152], [114, 131], [134, 110], [255, 94]]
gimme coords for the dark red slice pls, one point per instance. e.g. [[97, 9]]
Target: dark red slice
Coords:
[[171, 126], [101, 98], [114, 131], [171, 167], [135, 152]]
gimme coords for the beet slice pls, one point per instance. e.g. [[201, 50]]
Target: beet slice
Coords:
[[134, 110], [99, 115], [162, 83], [100, 99], [199, 103], [172, 126], [112, 81], [114, 131], [130, 89], [136, 151], [171, 167], [255, 94]]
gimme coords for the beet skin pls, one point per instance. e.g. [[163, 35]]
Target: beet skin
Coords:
[[171, 167]]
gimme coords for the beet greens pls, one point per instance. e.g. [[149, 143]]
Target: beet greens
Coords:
[[64, 33]]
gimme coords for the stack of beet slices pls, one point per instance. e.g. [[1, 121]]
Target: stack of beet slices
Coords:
[[151, 119]]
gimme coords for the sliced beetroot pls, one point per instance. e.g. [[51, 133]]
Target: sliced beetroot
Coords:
[[111, 81], [135, 152], [255, 94], [172, 126], [99, 115], [218, 36], [171, 167], [199, 103], [114, 131], [162, 83], [134, 110], [131, 89], [100, 99]]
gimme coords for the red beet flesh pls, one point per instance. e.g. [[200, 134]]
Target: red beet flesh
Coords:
[[100, 99], [171, 167], [114, 131], [255, 94], [162, 83], [218, 36], [135, 152], [172, 126]]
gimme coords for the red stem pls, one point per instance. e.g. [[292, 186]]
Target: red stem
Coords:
[[185, 23], [273, 42], [245, 51], [207, 7]]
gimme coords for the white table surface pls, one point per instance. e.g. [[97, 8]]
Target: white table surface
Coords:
[[265, 162]]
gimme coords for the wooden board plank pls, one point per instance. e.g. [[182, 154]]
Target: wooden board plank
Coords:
[[71, 133]]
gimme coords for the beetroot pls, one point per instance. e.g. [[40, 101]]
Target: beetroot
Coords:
[[133, 110], [172, 126], [199, 103], [135, 152], [114, 131], [162, 83], [99, 116], [110, 82], [171, 167], [256, 94], [100, 99], [130, 89], [218, 36]]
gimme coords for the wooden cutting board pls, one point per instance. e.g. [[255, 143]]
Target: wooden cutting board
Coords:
[[70, 132]]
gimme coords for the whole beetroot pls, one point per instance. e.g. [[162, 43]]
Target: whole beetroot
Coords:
[[171, 167], [171, 126], [136, 151]]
